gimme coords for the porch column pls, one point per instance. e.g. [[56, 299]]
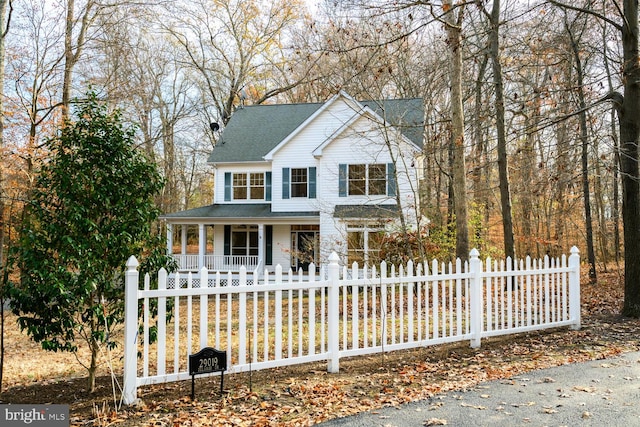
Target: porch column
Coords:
[[202, 242], [261, 246], [169, 239], [183, 239]]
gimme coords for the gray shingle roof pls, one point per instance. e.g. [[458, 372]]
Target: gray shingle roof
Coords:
[[235, 211], [255, 130]]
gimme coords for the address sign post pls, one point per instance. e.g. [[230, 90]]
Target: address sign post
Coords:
[[206, 361]]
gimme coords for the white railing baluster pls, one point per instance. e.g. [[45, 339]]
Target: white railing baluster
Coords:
[[384, 314], [410, 283], [435, 300], [176, 327], [458, 312], [204, 309], [374, 306], [355, 305], [427, 305], [312, 310], [300, 315], [393, 305], [145, 329], [189, 314], [242, 319], [162, 323], [229, 318], [277, 321], [365, 310], [345, 312], [323, 313], [290, 316], [419, 303], [217, 310], [402, 282]]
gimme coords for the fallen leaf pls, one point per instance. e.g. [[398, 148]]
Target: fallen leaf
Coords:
[[435, 422], [585, 389], [466, 405]]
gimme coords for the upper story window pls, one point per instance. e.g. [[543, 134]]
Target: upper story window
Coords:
[[299, 183], [247, 186], [256, 186], [367, 180]]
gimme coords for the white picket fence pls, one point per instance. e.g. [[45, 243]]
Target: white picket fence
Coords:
[[285, 319]]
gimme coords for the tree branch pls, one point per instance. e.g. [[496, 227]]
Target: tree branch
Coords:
[[588, 12]]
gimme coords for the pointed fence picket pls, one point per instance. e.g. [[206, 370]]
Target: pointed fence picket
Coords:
[[284, 318]]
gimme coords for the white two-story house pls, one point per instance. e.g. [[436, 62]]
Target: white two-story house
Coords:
[[295, 182]]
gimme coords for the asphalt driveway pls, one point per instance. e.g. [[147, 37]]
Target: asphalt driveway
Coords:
[[595, 393]]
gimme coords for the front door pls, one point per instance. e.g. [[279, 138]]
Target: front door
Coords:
[[304, 245]]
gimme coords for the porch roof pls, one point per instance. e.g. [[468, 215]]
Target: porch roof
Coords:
[[366, 211], [236, 210]]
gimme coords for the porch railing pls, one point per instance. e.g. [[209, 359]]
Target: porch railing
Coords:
[[190, 262]]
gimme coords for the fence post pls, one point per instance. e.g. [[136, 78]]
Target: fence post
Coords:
[[475, 268], [130, 390], [574, 287], [334, 314]]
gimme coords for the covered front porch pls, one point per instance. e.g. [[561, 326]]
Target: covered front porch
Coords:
[[226, 237]]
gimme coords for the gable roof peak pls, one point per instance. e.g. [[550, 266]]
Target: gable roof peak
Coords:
[[255, 131]]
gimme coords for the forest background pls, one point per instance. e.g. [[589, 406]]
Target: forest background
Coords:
[[517, 126]]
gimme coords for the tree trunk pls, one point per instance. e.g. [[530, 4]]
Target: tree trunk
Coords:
[[503, 165], [629, 131], [584, 140], [481, 174], [70, 56], [68, 61], [615, 210], [615, 213], [454, 36], [3, 29], [93, 367]]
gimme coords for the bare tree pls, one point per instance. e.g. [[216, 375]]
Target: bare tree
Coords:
[[6, 8], [574, 35], [453, 18], [503, 164], [232, 46]]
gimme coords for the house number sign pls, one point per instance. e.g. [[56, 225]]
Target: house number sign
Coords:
[[206, 361]]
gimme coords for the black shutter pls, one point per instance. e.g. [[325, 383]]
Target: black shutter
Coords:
[[342, 180], [227, 240], [227, 186], [285, 183], [268, 244]]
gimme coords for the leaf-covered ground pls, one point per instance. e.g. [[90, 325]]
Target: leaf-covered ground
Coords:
[[307, 394]]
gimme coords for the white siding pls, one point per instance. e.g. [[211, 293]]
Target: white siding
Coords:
[[361, 145], [297, 153]]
